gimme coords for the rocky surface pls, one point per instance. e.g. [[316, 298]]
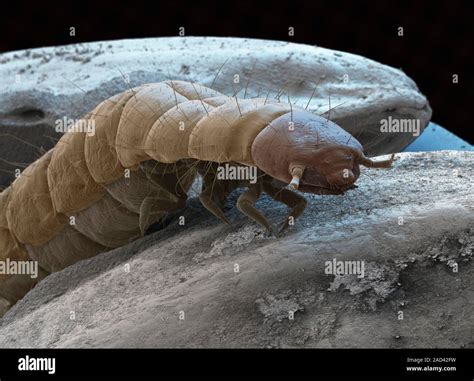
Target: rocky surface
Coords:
[[40, 86], [206, 284]]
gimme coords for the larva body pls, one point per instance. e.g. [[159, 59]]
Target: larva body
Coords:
[[94, 192]]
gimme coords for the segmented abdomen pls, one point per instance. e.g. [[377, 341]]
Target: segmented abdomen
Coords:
[[94, 192]]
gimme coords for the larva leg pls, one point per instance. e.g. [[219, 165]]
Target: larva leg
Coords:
[[170, 195], [213, 196], [289, 198], [246, 204], [206, 198], [152, 206]]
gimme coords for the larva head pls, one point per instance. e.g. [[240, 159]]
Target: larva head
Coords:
[[313, 154]]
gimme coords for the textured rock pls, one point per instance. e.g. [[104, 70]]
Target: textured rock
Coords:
[[42, 85], [412, 227]]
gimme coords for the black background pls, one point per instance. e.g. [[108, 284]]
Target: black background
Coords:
[[437, 41]]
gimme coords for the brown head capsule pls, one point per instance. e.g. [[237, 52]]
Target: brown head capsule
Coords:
[[314, 156]]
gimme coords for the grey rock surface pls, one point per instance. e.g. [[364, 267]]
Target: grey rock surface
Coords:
[[40, 86], [206, 284]]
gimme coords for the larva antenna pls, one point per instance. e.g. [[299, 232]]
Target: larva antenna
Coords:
[[367, 162], [296, 172]]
